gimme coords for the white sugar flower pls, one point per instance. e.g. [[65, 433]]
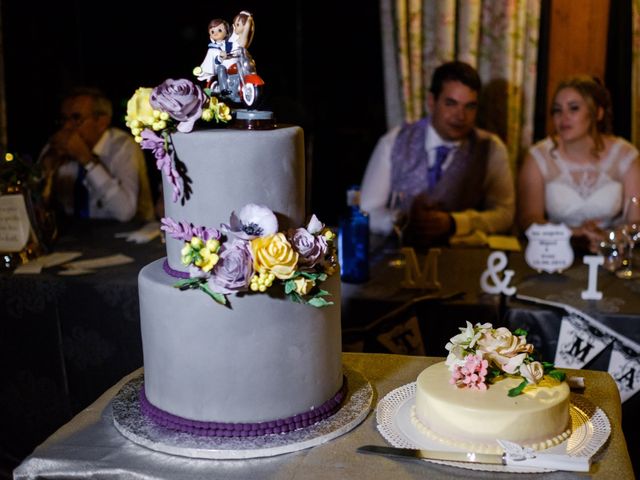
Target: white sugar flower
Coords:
[[533, 372], [315, 226], [252, 221]]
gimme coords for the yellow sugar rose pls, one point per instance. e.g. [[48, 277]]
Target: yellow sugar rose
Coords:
[[304, 285], [274, 254], [139, 108]]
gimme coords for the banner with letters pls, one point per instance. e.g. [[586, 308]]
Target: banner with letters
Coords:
[[579, 342], [582, 338]]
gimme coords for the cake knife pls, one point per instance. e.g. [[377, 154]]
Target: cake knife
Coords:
[[537, 460]]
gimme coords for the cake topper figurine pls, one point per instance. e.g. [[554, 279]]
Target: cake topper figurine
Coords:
[[228, 69]]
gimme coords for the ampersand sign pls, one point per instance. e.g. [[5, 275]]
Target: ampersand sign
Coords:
[[496, 263]]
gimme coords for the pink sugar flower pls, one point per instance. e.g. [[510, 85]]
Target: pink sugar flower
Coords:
[[472, 374]]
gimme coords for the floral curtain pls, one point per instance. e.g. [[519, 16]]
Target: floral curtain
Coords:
[[635, 75], [498, 37]]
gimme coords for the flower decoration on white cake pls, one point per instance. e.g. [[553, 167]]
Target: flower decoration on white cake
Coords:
[[480, 354], [250, 255], [154, 113]]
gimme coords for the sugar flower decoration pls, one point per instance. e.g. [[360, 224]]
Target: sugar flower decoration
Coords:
[[274, 254], [250, 255], [312, 248], [472, 374], [480, 354], [181, 99], [234, 269], [154, 113], [252, 221]]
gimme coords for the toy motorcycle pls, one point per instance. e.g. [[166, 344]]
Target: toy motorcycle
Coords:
[[244, 84]]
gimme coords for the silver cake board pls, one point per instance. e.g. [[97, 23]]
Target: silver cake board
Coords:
[[137, 427]]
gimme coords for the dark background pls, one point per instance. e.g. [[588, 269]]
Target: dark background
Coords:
[[322, 63]]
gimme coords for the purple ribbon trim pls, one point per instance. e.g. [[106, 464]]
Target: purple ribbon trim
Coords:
[[221, 429], [174, 273]]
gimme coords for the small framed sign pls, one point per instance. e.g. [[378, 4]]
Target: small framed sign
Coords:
[[549, 248], [15, 225]]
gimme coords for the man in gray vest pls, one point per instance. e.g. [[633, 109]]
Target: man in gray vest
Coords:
[[452, 179]]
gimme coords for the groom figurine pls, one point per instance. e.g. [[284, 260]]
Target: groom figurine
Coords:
[[454, 176], [218, 59]]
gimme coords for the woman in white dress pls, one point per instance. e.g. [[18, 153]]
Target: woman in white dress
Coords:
[[581, 175]]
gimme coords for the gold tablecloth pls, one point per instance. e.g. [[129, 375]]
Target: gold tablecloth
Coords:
[[90, 446]]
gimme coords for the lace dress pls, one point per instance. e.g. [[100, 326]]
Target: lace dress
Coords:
[[576, 193]]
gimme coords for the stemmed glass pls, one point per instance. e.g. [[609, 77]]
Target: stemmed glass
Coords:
[[631, 233], [398, 207], [612, 248]]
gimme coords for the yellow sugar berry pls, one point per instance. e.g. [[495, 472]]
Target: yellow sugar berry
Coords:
[[329, 235], [254, 287], [136, 131], [138, 138], [262, 288], [164, 116], [207, 115], [156, 113], [213, 244]]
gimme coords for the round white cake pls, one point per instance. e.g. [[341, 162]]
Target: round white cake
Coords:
[[473, 420]]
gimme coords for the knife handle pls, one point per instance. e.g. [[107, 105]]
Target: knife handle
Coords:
[[552, 461]]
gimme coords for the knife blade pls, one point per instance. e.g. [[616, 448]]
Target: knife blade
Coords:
[[542, 460]]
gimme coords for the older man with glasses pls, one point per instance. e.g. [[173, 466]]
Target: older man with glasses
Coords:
[[93, 170]]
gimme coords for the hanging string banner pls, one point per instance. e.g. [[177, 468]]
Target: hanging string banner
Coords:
[[582, 338]]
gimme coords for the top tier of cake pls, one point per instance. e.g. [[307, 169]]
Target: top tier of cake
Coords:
[[224, 171]]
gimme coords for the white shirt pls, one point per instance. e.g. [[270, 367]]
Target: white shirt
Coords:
[[118, 186], [497, 184], [432, 141]]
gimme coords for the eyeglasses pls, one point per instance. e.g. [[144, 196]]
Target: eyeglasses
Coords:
[[76, 119]]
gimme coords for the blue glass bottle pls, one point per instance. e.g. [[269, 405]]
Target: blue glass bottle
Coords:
[[353, 240]]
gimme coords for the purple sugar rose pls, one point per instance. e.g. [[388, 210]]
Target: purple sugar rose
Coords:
[[181, 99], [311, 248], [233, 271]]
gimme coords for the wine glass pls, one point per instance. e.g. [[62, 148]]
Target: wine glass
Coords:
[[612, 248], [398, 207], [631, 233]]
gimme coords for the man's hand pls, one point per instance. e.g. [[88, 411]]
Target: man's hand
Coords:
[[68, 143], [427, 225]]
